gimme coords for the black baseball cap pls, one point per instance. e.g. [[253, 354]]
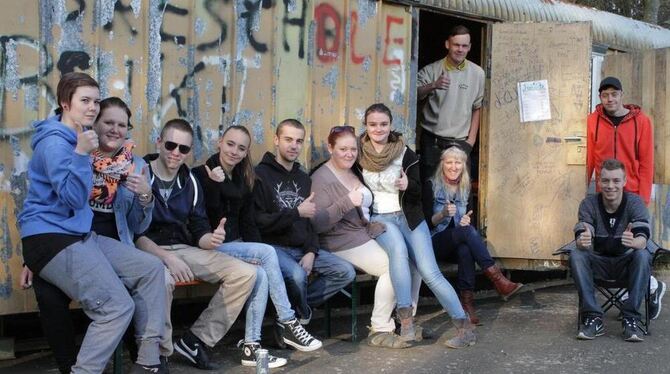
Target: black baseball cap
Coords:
[[610, 82]]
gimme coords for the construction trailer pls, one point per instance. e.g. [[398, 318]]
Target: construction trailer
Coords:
[[254, 63]]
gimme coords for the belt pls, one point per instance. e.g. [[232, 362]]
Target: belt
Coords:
[[441, 141]]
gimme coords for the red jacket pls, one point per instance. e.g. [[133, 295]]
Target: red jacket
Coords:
[[632, 143]]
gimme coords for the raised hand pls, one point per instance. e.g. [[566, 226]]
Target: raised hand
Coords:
[[137, 183], [465, 220], [443, 82], [356, 197], [401, 183], [87, 142], [217, 174], [307, 208], [627, 238], [219, 234], [584, 240], [449, 209]]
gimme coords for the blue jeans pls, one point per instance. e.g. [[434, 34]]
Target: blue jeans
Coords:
[[463, 244], [332, 275], [265, 256], [404, 245], [633, 267]]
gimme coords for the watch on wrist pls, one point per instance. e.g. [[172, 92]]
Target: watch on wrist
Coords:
[[145, 197]]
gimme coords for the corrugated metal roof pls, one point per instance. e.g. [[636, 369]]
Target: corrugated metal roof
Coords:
[[616, 31]]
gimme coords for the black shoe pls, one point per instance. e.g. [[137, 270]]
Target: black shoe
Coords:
[[655, 302], [195, 351], [631, 332], [304, 320], [249, 355], [297, 337], [145, 369], [164, 364], [591, 327], [277, 334]]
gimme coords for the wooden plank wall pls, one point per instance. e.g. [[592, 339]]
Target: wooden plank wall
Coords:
[[646, 82]]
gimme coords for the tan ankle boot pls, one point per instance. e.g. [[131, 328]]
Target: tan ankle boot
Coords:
[[503, 286], [467, 298], [465, 335]]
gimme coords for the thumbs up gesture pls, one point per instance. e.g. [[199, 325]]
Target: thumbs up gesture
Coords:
[[216, 174], [627, 238], [219, 234], [401, 183], [307, 208], [138, 183], [449, 209], [584, 240], [465, 220]]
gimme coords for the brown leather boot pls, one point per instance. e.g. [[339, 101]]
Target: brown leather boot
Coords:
[[467, 298], [503, 286]]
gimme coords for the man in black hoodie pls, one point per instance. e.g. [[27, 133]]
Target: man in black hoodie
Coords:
[[283, 205]]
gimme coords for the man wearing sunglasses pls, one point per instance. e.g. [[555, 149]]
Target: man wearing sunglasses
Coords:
[[180, 236]]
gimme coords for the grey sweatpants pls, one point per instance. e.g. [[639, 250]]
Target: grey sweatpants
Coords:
[[96, 272]]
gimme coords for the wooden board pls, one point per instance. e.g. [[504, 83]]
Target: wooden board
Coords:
[[646, 81], [532, 193]]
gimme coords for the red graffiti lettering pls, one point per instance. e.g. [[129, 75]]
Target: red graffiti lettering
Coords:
[[387, 40], [356, 59], [328, 29]]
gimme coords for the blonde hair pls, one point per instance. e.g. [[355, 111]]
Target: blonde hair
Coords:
[[464, 183]]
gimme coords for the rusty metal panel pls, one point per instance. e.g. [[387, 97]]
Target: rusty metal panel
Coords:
[[214, 63]]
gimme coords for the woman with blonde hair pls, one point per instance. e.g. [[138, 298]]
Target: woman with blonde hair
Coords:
[[446, 199]]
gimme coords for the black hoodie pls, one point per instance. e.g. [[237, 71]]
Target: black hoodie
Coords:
[[232, 199], [277, 194]]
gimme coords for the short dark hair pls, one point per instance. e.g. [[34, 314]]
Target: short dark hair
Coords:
[[289, 122], [613, 164], [177, 124], [68, 84], [458, 30], [114, 101], [377, 108]]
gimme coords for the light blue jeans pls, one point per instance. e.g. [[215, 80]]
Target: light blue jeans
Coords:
[[268, 278], [407, 247]]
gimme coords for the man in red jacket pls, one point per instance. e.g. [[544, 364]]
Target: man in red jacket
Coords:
[[623, 132]]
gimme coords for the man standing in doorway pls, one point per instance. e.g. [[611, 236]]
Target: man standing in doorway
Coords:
[[452, 90], [625, 133]]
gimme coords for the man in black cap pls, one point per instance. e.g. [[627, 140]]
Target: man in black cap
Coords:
[[623, 132]]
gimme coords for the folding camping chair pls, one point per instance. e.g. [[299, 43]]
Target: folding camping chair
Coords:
[[614, 290]]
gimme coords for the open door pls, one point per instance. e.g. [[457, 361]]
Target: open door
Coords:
[[533, 173]]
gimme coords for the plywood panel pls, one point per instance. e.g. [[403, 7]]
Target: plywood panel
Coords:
[[532, 194]]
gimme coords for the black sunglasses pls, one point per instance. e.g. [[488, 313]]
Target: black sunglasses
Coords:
[[338, 129], [183, 149]]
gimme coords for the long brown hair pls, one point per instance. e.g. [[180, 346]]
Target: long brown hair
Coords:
[[246, 165]]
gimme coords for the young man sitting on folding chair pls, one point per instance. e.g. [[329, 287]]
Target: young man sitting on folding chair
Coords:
[[611, 238]]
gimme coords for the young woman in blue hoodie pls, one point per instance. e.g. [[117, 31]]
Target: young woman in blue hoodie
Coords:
[[59, 246]]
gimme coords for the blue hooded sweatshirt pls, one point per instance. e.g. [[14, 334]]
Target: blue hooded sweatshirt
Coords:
[[60, 183]]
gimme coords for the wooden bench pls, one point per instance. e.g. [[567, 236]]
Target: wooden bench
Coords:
[[118, 352]]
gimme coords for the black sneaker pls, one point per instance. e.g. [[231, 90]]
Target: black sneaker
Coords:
[[195, 351], [655, 302], [146, 369], [306, 320], [297, 337], [164, 364], [591, 327], [631, 332], [249, 355], [277, 332]]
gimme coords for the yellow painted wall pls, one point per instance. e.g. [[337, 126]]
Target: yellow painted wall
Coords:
[[213, 62]]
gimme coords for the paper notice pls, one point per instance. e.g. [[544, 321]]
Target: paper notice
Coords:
[[534, 102]]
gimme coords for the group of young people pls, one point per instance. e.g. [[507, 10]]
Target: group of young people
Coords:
[[117, 232]]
